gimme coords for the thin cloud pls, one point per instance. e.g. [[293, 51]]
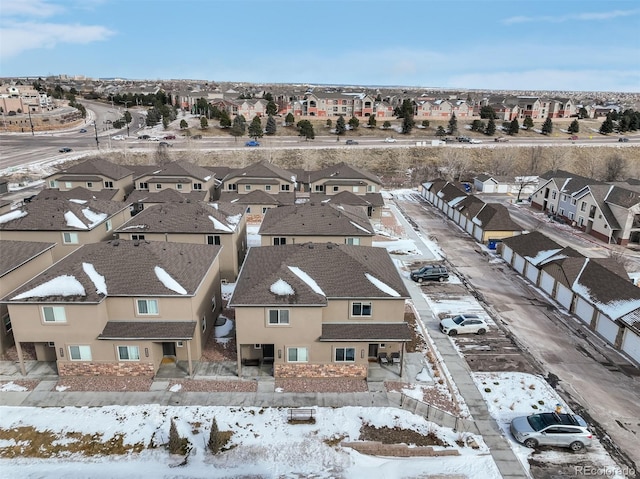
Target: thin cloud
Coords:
[[572, 17], [31, 8], [20, 37]]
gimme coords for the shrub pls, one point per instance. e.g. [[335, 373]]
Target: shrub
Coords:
[[175, 441], [215, 439]]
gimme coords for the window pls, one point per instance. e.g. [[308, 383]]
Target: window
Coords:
[[356, 189], [54, 314], [68, 184], [213, 239], [108, 225], [158, 186], [137, 237], [128, 353], [89, 184], [248, 209], [147, 306], [360, 309], [371, 188], [345, 355], [264, 209], [297, 355], [319, 188], [80, 353], [6, 322], [561, 211], [279, 241], [232, 186], [571, 215], [284, 187], [178, 186], [197, 186], [352, 241], [574, 201], [583, 206], [336, 188], [144, 186], [247, 187], [53, 184], [267, 187], [70, 238], [257, 346], [553, 194], [204, 324], [580, 221], [108, 185], [278, 316]]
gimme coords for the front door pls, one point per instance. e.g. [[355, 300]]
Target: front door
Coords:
[[373, 351], [267, 353], [168, 349]]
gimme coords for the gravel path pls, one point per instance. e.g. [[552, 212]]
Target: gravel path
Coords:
[[321, 385]]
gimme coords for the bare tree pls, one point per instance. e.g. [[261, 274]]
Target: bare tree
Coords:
[[588, 164], [615, 167], [556, 159], [456, 164], [535, 160], [501, 162]]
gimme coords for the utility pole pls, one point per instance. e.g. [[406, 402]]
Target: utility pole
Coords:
[[30, 121], [95, 127], [126, 102]]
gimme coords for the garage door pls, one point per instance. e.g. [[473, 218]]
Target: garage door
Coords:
[[607, 328], [564, 296], [507, 254], [502, 188], [469, 227], [518, 264], [477, 233], [584, 310], [631, 344], [547, 282], [532, 273]]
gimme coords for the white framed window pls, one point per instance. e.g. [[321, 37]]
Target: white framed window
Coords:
[[257, 346], [80, 353], [108, 185], [361, 308], [319, 188], [247, 187], [279, 241], [571, 215], [147, 306], [336, 188], [143, 185], [345, 355], [108, 225], [278, 316], [53, 184], [297, 355], [70, 238], [89, 184], [583, 206], [137, 237], [179, 344], [352, 241], [285, 187], [128, 353], [267, 187], [178, 186], [574, 201], [158, 186], [213, 239], [197, 186], [580, 221], [356, 189], [68, 184], [561, 211], [54, 314], [553, 195], [371, 188], [264, 209], [232, 187], [248, 209], [563, 198]]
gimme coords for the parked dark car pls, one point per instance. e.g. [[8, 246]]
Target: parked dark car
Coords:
[[352, 142], [463, 139], [164, 144], [65, 150], [83, 130], [144, 137], [197, 137], [430, 272], [169, 137], [623, 139]]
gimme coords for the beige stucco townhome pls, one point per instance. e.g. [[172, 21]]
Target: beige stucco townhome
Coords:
[[70, 223], [316, 223], [119, 308], [219, 223], [319, 310]]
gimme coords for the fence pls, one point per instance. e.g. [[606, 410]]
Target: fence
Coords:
[[440, 417]]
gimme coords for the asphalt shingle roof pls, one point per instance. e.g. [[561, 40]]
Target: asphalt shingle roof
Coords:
[[338, 270], [316, 219], [148, 330], [132, 274], [263, 169], [14, 254], [342, 171], [378, 332], [97, 166]]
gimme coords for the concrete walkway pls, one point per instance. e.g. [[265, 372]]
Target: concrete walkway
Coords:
[[504, 457]]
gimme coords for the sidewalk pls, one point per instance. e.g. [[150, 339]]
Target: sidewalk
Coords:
[[504, 457]]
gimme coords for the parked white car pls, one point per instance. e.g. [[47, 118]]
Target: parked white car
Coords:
[[463, 324], [475, 141], [118, 137], [390, 140]]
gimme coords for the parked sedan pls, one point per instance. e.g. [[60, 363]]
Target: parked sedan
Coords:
[[65, 150], [83, 130], [390, 140], [552, 429], [252, 143], [463, 324], [351, 142]]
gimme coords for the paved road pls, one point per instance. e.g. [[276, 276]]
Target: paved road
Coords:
[[593, 378]]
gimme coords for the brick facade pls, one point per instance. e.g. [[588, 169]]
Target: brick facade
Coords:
[[127, 369], [320, 371]]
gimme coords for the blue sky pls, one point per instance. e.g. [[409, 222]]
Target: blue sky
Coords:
[[483, 44]]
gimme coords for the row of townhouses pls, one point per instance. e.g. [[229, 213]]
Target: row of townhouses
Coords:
[[597, 291], [114, 270]]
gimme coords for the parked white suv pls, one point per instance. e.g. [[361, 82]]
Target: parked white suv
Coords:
[[463, 324]]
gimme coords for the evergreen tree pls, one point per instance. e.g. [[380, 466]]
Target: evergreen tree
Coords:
[[354, 123], [372, 121], [486, 112], [255, 128], [215, 439], [329, 123], [289, 119], [574, 127], [341, 127], [268, 96], [425, 123], [225, 121], [528, 122], [452, 127], [607, 126], [272, 108], [547, 126], [175, 441], [514, 127], [305, 128], [271, 127], [238, 127], [386, 125], [440, 131], [204, 123], [477, 125], [183, 124], [491, 127], [583, 113], [407, 123]]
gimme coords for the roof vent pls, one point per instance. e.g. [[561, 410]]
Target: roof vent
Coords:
[[136, 243], [329, 245], [116, 243], [310, 245]]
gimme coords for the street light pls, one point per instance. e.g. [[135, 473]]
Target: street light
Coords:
[[30, 122], [126, 102], [95, 127]]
